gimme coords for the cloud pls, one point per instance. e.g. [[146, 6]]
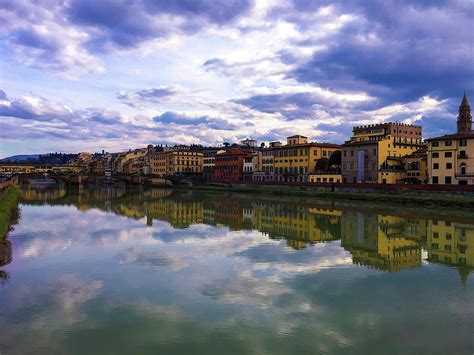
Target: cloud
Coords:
[[396, 50], [154, 95], [68, 38], [33, 108], [185, 120]]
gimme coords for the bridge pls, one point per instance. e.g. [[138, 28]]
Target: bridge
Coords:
[[129, 179]]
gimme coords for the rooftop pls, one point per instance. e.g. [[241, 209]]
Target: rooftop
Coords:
[[453, 136]]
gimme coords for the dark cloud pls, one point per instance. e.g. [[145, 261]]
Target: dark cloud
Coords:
[[292, 106], [398, 50], [128, 23], [184, 120]]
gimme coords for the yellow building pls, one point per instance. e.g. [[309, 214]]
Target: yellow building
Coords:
[[325, 177], [296, 161], [179, 162], [375, 152], [451, 157], [123, 159], [416, 166]]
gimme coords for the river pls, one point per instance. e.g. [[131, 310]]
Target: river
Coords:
[[121, 271]]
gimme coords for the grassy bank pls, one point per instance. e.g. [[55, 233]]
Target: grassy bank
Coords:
[[373, 197], [8, 210]]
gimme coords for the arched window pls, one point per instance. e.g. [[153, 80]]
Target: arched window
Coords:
[[463, 169]]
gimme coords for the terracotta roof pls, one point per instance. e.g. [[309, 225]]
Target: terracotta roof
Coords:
[[298, 136], [310, 144], [350, 144], [452, 136]]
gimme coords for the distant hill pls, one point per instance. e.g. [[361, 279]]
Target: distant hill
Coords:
[[46, 159], [21, 157]]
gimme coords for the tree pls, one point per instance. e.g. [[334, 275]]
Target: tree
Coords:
[[322, 164], [335, 159]]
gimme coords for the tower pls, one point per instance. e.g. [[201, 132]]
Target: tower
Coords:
[[464, 118]]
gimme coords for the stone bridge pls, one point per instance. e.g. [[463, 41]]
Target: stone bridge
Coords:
[[78, 179]]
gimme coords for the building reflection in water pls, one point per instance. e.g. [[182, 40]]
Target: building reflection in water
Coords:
[[385, 242]]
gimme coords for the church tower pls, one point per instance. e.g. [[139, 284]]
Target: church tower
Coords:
[[464, 117]]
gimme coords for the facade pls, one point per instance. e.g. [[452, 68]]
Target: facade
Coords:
[[177, 162], [374, 153], [252, 143], [451, 157], [83, 160], [416, 167], [230, 165], [209, 163], [248, 168], [123, 159], [295, 161], [325, 177], [267, 172]]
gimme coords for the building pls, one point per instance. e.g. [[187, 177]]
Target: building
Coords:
[[83, 160], [177, 162], [297, 160], [122, 160], [326, 177], [415, 166], [209, 163], [251, 143], [451, 157], [230, 165], [375, 152]]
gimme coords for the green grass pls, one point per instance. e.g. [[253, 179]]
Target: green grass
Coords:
[[8, 205], [414, 199]]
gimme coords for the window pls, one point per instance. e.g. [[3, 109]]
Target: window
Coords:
[[434, 180], [462, 154], [447, 180], [463, 143], [435, 155], [447, 248], [449, 165], [435, 144], [435, 235], [448, 143], [435, 166], [448, 154], [449, 236]]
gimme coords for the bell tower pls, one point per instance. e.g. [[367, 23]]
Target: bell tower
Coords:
[[464, 118]]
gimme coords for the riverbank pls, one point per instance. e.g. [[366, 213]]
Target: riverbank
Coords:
[[8, 210], [405, 198]]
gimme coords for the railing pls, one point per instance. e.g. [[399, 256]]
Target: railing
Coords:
[[463, 156]]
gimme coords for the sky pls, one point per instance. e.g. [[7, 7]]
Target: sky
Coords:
[[87, 75]]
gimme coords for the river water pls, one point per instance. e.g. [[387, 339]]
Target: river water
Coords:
[[120, 271]]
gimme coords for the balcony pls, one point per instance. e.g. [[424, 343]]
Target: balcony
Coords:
[[463, 156], [463, 175]]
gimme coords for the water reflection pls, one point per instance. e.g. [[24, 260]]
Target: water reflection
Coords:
[[387, 242], [116, 270]]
